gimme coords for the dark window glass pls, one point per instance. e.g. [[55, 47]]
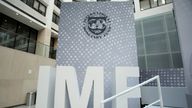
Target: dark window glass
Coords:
[[177, 60], [14, 34], [32, 42], [52, 50], [22, 37], [58, 3], [8, 24], [42, 9], [6, 39], [35, 4], [55, 18], [28, 2]]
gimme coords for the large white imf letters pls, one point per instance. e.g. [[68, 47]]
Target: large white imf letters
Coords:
[[66, 78], [122, 74]]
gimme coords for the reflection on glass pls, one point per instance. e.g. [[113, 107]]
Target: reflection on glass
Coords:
[[21, 43], [160, 48], [144, 4]]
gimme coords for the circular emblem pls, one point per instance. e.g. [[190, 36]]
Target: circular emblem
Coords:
[[97, 25]]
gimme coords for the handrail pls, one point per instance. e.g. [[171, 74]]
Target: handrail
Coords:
[[139, 85]]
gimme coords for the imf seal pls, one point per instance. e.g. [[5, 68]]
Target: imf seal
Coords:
[[97, 25]]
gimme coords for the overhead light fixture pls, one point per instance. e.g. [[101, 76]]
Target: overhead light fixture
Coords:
[[17, 13], [30, 21]]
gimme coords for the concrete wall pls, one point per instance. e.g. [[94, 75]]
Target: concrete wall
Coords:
[[18, 75], [184, 24]]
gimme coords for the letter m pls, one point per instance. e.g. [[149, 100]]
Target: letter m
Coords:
[[66, 80]]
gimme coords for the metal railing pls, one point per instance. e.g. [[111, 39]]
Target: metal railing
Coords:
[[160, 100]]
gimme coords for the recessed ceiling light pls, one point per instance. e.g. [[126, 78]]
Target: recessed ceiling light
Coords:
[[17, 13]]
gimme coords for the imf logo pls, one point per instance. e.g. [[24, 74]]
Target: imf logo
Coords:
[[97, 25]]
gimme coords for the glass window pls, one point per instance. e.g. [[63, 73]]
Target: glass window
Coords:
[[58, 3], [22, 37], [28, 2], [174, 41], [7, 39], [138, 28], [169, 1], [154, 25], [160, 47], [55, 18], [153, 3], [161, 2], [23, 30], [177, 60], [147, 4], [8, 23], [14, 34], [32, 41], [170, 22], [156, 44], [159, 61], [42, 9], [142, 63], [36, 5], [144, 4], [140, 46]]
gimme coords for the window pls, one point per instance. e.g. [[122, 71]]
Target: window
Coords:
[[58, 3], [147, 4], [55, 18], [14, 34], [22, 38], [32, 42], [52, 50], [42, 9], [28, 2], [158, 42], [35, 4]]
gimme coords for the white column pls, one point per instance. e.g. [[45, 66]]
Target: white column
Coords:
[[122, 74], [137, 5], [46, 87]]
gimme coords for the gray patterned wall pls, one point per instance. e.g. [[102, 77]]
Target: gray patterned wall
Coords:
[[170, 77], [118, 48]]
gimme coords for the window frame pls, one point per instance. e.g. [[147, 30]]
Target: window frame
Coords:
[[55, 18], [150, 4], [38, 8], [57, 3]]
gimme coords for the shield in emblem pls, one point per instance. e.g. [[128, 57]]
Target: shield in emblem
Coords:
[[97, 25]]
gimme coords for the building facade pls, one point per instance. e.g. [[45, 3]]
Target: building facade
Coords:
[[31, 26]]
